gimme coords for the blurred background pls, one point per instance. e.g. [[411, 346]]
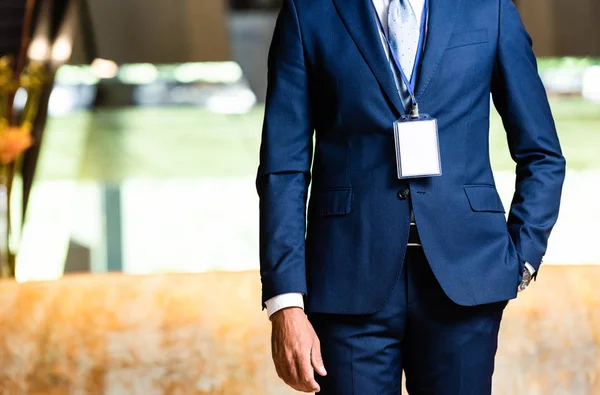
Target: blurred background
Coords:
[[131, 146]]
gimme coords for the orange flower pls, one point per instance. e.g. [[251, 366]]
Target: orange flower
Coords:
[[13, 142]]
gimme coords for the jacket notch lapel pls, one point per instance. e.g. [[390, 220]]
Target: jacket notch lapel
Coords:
[[442, 18], [359, 18]]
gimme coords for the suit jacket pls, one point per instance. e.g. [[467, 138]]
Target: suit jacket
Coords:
[[329, 79]]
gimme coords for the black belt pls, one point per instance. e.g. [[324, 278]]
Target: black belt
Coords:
[[413, 236]]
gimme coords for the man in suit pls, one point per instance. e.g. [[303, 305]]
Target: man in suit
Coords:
[[384, 274]]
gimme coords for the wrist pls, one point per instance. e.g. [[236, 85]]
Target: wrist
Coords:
[[286, 312], [528, 276]]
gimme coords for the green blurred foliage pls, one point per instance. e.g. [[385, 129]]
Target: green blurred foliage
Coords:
[[187, 142]]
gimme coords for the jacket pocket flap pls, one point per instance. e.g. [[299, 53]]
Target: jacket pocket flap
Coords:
[[470, 37], [484, 198], [328, 202]]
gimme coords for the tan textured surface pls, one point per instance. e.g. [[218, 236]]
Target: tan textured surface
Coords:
[[204, 334]]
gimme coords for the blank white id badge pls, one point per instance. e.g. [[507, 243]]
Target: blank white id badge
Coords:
[[417, 147]]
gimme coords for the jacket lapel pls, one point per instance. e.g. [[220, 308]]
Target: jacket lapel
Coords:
[[359, 19], [442, 17]]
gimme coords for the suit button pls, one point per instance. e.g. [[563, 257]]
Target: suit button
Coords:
[[403, 195]]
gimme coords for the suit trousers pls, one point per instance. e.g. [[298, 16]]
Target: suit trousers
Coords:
[[443, 348]]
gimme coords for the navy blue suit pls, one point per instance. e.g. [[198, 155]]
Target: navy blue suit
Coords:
[[329, 79]]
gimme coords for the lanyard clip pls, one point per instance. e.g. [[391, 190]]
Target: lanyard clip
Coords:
[[414, 112]]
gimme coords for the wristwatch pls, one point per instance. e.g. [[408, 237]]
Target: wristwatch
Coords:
[[527, 277]]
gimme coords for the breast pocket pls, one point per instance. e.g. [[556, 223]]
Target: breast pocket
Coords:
[[470, 37]]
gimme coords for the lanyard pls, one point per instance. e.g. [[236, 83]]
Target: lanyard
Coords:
[[410, 85]]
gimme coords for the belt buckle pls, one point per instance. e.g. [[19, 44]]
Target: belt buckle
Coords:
[[415, 240]]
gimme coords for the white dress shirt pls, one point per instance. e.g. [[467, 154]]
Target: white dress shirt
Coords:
[[296, 299]]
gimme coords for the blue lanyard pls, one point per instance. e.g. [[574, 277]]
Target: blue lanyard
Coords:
[[410, 85]]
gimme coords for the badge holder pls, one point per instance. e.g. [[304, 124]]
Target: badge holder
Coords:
[[417, 146]]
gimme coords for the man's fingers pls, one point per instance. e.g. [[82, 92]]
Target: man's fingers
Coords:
[[305, 373], [317, 359], [296, 371]]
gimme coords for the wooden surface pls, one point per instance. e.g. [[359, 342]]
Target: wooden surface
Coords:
[[206, 334]]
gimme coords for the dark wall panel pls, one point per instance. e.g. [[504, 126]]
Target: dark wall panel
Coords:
[[11, 25], [563, 27], [158, 31]]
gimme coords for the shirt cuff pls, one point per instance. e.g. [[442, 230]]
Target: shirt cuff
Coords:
[[530, 268], [284, 301]]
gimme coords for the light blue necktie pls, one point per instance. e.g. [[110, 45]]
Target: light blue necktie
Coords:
[[404, 31]]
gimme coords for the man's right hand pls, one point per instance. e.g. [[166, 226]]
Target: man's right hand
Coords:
[[296, 350]]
